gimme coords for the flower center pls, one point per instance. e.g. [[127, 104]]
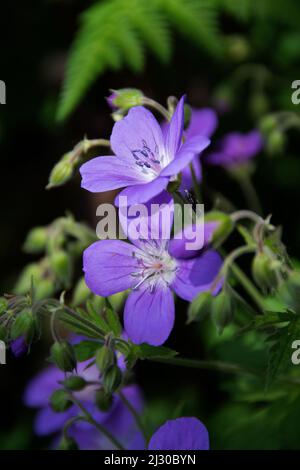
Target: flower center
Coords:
[[147, 160], [155, 266]]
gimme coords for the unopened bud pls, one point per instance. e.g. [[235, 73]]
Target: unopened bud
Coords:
[[105, 358], [63, 355], [104, 400], [62, 171], [112, 379], [75, 383], [60, 401], [200, 307], [61, 265], [238, 48], [36, 240], [222, 310], [68, 443], [125, 98], [263, 271], [267, 124], [24, 325], [276, 142]]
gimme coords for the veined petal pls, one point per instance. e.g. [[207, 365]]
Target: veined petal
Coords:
[[175, 130], [106, 173], [180, 434], [152, 221], [190, 234], [185, 155], [197, 275], [108, 266], [203, 122], [138, 131], [186, 174], [141, 193], [149, 316]]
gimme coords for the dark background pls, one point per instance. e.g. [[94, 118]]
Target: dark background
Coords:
[[34, 40]]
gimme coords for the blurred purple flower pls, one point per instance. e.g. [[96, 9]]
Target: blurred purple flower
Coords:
[[235, 149], [203, 122], [152, 267], [19, 346], [145, 158], [180, 434], [118, 419]]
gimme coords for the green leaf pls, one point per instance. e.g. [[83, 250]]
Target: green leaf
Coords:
[[113, 34], [145, 351], [280, 351], [86, 350], [112, 319]]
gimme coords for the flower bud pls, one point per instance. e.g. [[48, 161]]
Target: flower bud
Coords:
[[200, 307], [103, 399], [263, 271], [61, 265], [105, 358], [60, 401], [31, 272], [222, 310], [19, 347], [224, 226], [44, 288], [24, 325], [63, 355], [75, 383], [125, 98], [68, 443], [267, 124], [112, 379], [36, 240], [3, 305], [276, 142], [238, 48], [62, 171]]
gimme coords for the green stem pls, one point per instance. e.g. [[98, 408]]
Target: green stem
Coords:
[[221, 367], [248, 286], [134, 414], [250, 193], [97, 425], [158, 107], [196, 186]]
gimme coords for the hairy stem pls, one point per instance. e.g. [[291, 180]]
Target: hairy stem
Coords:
[[134, 414]]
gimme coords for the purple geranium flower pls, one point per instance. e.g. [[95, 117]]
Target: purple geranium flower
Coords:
[[19, 346], [236, 148], [145, 157], [152, 267], [203, 122], [118, 419], [180, 434]]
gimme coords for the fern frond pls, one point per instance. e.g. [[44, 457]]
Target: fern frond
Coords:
[[196, 19], [113, 33]]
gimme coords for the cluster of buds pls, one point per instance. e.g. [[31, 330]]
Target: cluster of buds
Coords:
[[60, 244], [275, 126]]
